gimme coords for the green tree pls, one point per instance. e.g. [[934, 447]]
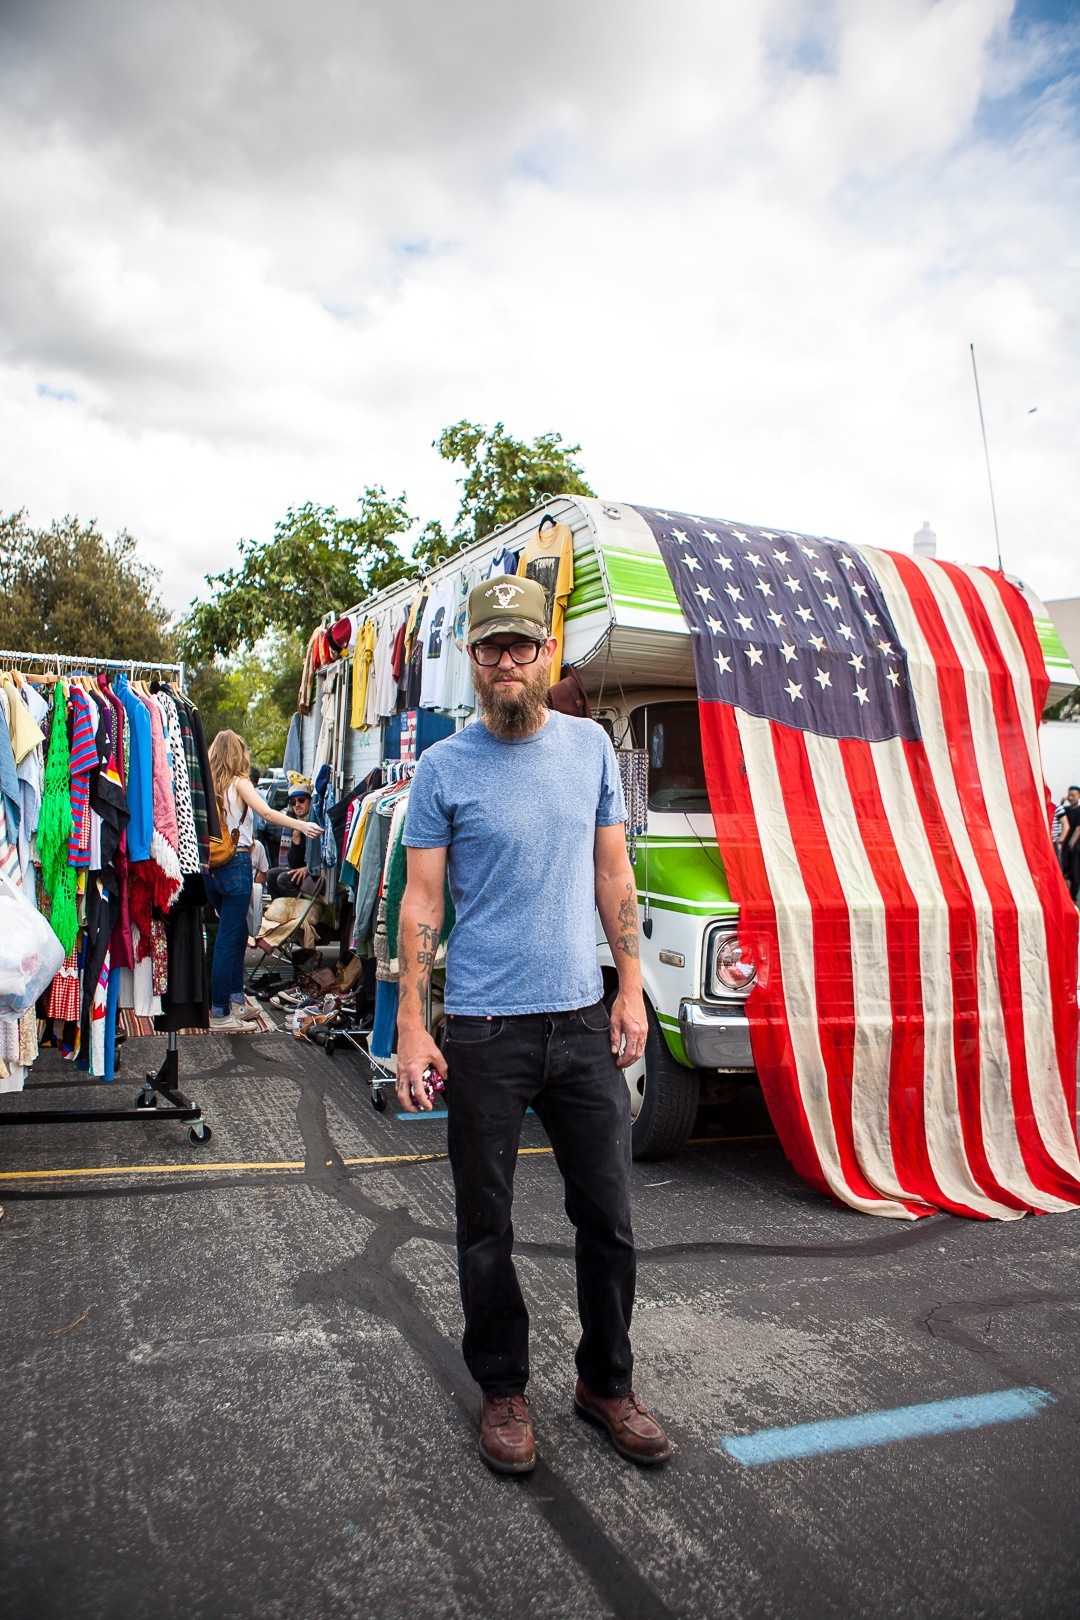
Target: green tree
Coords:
[[317, 562], [253, 694], [69, 589], [503, 479]]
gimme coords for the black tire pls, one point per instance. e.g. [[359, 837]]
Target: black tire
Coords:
[[198, 1140], [144, 1101], [378, 1099], [669, 1101]]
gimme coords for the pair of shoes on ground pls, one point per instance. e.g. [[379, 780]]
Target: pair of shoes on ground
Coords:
[[508, 1446], [239, 1020]]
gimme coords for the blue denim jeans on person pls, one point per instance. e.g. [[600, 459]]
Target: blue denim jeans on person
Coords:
[[229, 891], [560, 1065]]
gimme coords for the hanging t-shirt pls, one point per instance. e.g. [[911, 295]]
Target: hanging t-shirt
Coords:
[[435, 628], [549, 559], [459, 697], [385, 684], [362, 658], [505, 562]]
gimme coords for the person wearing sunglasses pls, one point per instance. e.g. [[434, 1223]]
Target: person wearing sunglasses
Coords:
[[524, 811]]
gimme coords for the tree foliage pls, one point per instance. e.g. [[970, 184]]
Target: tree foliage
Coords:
[[504, 477], [253, 694], [69, 589], [317, 562]]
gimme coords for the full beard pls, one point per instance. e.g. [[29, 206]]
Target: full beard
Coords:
[[513, 712]]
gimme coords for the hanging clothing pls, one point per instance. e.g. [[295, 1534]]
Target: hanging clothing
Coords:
[[503, 562], [363, 658], [385, 683], [434, 636], [293, 760], [549, 559]]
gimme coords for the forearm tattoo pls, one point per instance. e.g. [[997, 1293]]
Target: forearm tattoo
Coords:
[[627, 940], [424, 961]]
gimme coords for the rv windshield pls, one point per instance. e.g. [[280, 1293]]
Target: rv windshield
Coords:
[[671, 733]]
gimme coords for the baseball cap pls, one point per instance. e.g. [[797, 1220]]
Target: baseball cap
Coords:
[[507, 606]]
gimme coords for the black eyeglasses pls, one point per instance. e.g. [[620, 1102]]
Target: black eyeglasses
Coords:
[[489, 653]]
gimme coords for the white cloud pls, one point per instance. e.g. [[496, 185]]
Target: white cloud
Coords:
[[257, 254]]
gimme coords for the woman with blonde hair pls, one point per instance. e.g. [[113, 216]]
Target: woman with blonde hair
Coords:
[[229, 886]]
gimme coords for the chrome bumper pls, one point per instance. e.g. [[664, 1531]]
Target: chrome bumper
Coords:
[[715, 1037]]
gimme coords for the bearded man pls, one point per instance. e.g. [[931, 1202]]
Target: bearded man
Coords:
[[524, 811]]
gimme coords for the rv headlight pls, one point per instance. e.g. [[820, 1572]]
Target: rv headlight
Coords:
[[730, 972]]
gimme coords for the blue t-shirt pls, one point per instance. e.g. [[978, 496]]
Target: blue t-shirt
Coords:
[[519, 820]]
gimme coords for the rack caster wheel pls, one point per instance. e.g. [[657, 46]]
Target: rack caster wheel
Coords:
[[378, 1099], [199, 1134], [145, 1099], [330, 1045]]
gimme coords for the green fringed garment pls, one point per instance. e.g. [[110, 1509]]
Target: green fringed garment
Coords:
[[54, 828]]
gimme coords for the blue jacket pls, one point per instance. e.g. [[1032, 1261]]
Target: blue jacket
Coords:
[[140, 773]]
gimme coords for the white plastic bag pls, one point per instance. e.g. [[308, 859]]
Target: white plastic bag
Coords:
[[30, 954]]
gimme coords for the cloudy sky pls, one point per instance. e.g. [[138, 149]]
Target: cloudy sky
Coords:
[[257, 252]]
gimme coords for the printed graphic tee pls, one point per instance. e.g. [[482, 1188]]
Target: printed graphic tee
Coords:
[[435, 631], [549, 559]]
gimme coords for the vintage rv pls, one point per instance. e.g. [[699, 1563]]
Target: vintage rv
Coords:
[[627, 639]]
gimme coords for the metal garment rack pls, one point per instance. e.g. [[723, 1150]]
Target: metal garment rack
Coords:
[[165, 1083]]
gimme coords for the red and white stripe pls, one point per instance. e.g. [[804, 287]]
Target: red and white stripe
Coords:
[[915, 1020]]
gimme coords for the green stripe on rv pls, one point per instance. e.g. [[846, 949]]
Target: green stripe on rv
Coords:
[[680, 876], [640, 580]]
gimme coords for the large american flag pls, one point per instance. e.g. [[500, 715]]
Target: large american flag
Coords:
[[870, 733]]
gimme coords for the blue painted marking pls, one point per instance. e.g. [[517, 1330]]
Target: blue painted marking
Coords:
[[436, 1113], [882, 1428]]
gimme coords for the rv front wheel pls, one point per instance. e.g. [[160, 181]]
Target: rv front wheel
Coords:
[[663, 1098]]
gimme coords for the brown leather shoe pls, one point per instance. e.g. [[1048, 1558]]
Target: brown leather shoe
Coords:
[[506, 1434], [632, 1430]]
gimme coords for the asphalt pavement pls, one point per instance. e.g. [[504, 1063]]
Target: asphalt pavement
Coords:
[[232, 1382]]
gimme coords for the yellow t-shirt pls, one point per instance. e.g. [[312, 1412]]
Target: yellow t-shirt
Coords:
[[363, 655], [549, 559]]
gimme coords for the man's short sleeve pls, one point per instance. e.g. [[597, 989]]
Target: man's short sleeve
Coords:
[[428, 822], [611, 806]]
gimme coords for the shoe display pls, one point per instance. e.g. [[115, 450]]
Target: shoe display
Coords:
[[506, 1434], [632, 1430]]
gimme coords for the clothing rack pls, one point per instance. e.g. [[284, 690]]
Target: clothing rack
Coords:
[[64, 661], [165, 1083]]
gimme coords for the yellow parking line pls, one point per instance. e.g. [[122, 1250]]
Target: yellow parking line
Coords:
[[147, 1170], [208, 1167]]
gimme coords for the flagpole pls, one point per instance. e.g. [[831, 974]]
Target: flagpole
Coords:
[[986, 453]]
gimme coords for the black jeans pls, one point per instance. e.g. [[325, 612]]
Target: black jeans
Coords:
[[560, 1065]]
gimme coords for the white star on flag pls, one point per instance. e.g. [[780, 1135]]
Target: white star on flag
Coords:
[[823, 678], [861, 694], [793, 690], [777, 618], [857, 662], [743, 622], [782, 557], [788, 651], [715, 625], [734, 592], [691, 563], [752, 557], [822, 574], [893, 676], [754, 655], [793, 584], [744, 539], [832, 601], [846, 631], [682, 536], [704, 592], [725, 563], [724, 663], [818, 643], [764, 587], [808, 550], [804, 613]]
